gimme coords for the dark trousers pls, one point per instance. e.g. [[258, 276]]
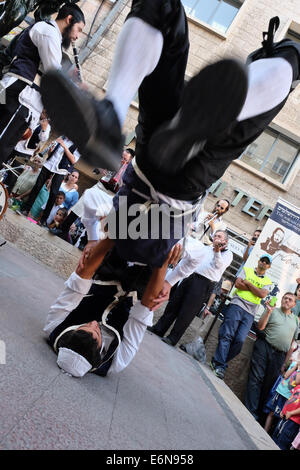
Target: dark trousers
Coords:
[[17, 126], [232, 334], [285, 432], [44, 175], [183, 306], [266, 363]]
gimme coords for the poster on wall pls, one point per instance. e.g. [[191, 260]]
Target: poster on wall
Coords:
[[280, 238]]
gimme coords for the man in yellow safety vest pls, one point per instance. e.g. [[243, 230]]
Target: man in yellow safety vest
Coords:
[[251, 287]]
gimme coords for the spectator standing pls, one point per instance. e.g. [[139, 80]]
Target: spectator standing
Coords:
[[208, 223], [60, 161], [27, 146], [38, 49], [251, 287], [59, 217], [270, 352], [27, 179], [248, 249], [281, 391], [39, 134], [69, 187], [203, 267], [288, 427], [59, 203]]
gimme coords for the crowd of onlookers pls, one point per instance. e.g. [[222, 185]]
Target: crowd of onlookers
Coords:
[[46, 192]]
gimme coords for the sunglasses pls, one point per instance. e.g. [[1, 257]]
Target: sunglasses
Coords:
[[265, 260]]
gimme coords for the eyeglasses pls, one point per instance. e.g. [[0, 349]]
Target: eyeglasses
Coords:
[[265, 260]]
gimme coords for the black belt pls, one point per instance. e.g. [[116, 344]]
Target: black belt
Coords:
[[206, 278], [275, 349]]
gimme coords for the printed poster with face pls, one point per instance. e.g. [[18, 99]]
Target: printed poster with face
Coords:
[[280, 238]]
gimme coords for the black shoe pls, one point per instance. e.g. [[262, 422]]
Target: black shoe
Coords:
[[217, 370], [24, 212], [182, 347], [55, 231], [167, 340], [92, 125], [211, 102], [286, 48], [153, 330], [42, 223]]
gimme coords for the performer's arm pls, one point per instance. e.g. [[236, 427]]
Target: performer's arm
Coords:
[[75, 289], [72, 157], [140, 317], [188, 264]]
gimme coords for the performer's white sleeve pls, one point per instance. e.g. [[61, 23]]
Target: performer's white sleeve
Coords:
[[96, 203], [193, 256], [75, 289], [44, 135], [48, 41], [133, 333]]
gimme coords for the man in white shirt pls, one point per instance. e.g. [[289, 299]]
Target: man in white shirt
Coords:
[[202, 266], [208, 223], [60, 162], [37, 50]]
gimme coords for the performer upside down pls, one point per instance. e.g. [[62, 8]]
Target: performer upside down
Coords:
[[186, 136]]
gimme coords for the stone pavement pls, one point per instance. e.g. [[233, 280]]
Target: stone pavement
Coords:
[[164, 400]]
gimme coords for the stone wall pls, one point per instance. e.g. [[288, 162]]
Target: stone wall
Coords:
[[61, 257]]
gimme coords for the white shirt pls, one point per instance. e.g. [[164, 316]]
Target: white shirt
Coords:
[[97, 202], [52, 163], [134, 329], [48, 40], [22, 144], [200, 259], [200, 225], [52, 212]]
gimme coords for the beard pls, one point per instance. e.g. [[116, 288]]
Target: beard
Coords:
[[66, 37]]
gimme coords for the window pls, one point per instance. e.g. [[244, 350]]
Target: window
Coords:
[[217, 13], [273, 154], [293, 35]]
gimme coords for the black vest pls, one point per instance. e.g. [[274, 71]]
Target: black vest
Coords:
[[34, 139], [64, 163], [26, 56]]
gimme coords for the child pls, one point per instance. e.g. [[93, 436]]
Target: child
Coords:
[[59, 217], [296, 442], [282, 390], [288, 427], [59, 203]]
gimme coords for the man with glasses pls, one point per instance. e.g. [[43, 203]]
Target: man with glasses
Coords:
[[252, 286]]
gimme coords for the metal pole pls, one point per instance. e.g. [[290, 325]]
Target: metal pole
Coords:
[[114, 12]]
